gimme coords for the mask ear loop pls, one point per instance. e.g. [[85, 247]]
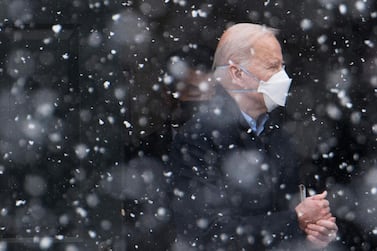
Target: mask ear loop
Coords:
[[231, 63], [247, 72]]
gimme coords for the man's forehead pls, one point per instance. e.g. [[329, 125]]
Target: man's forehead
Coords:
[[267, 49], [266, 55], [274, 61]]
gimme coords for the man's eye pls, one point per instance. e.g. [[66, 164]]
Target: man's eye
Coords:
[[273, 67], [276, 67]]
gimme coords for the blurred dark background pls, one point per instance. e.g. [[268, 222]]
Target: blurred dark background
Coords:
[[84, 109]]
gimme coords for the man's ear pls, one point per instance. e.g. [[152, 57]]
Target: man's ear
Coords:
[[236, 74]]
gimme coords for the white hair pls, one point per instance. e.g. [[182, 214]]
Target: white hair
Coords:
[[236, 45]]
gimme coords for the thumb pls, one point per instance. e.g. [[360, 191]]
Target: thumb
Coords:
[[320, 196]]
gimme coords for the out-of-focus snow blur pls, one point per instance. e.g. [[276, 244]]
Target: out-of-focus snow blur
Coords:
[[85, 105]]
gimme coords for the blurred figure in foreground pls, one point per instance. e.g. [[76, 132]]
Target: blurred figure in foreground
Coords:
[[188, 78], [186, 88], [234, 182]]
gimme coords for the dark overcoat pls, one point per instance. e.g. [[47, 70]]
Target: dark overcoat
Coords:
[[232, 189]]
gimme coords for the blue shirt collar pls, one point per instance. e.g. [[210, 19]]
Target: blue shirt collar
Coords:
[[256, 126]]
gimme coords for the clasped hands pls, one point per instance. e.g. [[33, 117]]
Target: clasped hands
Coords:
[[316, 220]]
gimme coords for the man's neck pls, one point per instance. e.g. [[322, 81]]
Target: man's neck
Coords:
[[254, 113], [253, 109]]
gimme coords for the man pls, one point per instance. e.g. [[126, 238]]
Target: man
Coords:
[[234, 184]]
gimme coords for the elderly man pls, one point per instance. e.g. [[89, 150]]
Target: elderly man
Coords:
[[234, 182]]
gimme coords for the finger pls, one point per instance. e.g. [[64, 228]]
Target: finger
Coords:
[[319, 236], [327, 236], [325, 203], [320, 196], [317, 242], [326, 210], [316, 228], [328, 224], [323, 214], [321, 232], [327, 216], [332, 218]]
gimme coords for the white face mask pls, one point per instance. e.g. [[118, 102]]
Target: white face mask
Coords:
[[275, 90]]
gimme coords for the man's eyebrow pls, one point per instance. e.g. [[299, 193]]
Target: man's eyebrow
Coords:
[[275, 62]]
